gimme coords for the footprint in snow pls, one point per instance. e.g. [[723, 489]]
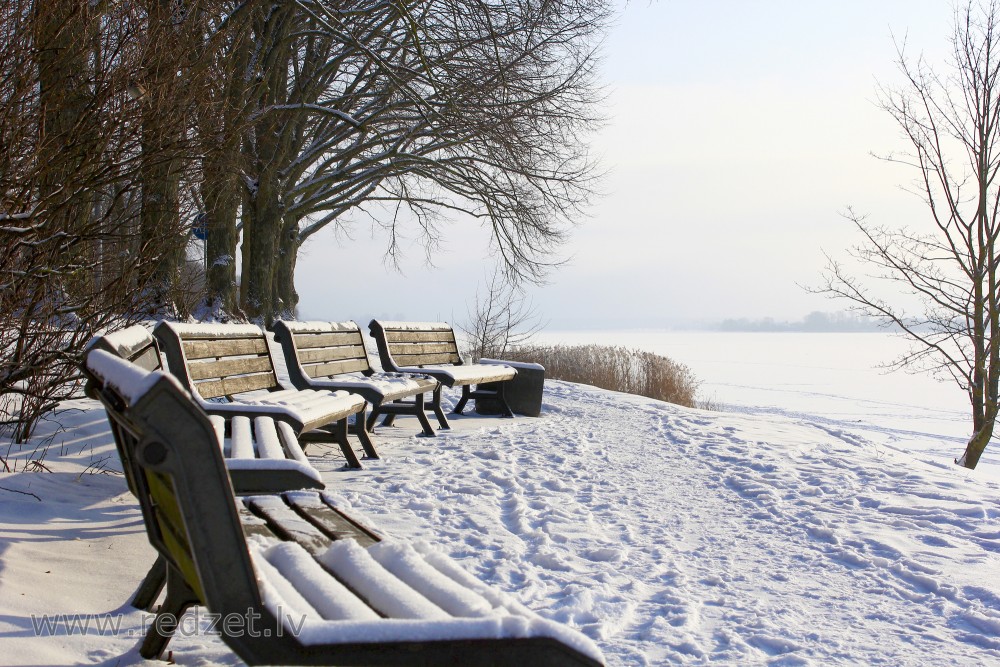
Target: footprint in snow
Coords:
[[604, 555]]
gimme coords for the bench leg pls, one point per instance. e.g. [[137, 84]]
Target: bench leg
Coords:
[[370, 422], [502, 400], [333, 433], [361, 430], [340, 433], [422, 415], [151, 586], [179, 598], [389, 412], [462, 401], [436, 407]]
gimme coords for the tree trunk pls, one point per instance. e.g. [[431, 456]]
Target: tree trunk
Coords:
[[159, 227], [221, 123], [222, 198], [261, 226], [160, 212], [977, 444], [267, 150], [66, 144], [286, 299]]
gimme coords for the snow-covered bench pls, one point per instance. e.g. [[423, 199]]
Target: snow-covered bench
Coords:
[[332, 355], [296, 579], [229, 370], [430, 348], [261, 455]]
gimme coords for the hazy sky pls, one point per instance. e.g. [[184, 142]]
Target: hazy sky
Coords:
[[738, 132]]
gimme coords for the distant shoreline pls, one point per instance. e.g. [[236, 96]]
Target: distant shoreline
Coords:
[[815, 322]]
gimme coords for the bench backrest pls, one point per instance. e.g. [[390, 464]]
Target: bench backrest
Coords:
[[180, 480], [403, 344], [218, 359], [323, 349], [134, 344]]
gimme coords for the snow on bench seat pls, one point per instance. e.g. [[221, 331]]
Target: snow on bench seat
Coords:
[[421, 594], [466, 373], [275, 447]]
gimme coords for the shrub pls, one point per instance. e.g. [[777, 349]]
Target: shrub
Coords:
[[614, 368]]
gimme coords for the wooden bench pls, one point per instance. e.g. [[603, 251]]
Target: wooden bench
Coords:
[[430, 348], [311, 584], [229, 370], [260, 455], [332, 355]]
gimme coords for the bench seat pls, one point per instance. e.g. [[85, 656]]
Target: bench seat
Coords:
[[306, 410], [391, 591], [465, 374], [263, 455]]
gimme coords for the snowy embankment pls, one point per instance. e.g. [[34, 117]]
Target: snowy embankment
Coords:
[[665, 534]]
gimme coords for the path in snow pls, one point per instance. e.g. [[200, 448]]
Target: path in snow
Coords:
[[676, 535]]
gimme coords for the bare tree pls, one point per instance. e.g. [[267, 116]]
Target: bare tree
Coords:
[[951, 122], [80, 165], [423, 108], [501, 319]]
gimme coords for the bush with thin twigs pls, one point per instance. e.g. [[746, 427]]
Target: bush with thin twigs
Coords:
[[615, 368]]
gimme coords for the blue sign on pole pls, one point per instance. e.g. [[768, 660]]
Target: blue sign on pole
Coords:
[[200, 227]]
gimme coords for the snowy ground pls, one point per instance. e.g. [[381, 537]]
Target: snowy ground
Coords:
[[668, 535], [837, 379]]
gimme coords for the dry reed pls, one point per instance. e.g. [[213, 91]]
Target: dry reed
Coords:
[[614, 368]]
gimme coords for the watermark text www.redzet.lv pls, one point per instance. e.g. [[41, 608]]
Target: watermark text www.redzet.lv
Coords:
[[195, 622]]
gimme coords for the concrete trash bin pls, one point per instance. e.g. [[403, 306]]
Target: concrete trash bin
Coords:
[[523, 392]]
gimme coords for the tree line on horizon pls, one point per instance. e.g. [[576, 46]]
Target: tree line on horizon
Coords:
[[126, 125], [816, 321]]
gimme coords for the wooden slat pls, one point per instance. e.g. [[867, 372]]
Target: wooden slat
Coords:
[[424, 359], [251, 523], [318, 354], [147, 358], [223, 347], [335, 368], [288, 524], [201, 370], [306, 341], [241, 438], [268, 444], [235, 385], [420, 336], [423, 348], [329, 520]]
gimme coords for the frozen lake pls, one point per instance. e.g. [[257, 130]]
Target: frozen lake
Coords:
[[832, 378]]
